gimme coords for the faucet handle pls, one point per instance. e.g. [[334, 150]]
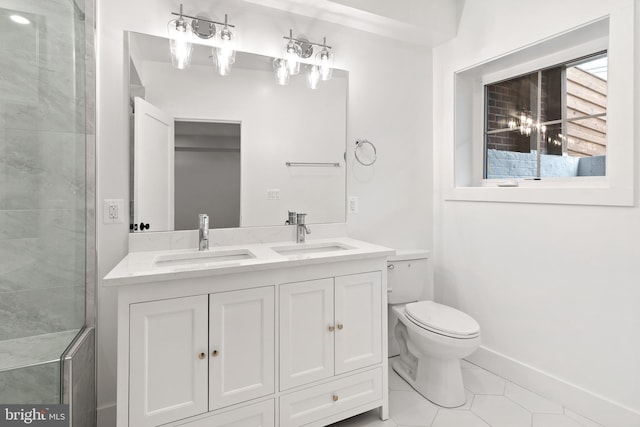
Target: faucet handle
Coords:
[[292, 218], [301, 218]]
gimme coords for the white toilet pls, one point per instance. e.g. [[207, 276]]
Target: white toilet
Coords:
[[432, 337]]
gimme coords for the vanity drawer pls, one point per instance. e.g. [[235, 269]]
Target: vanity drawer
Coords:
[[257, 415], [312, 404]]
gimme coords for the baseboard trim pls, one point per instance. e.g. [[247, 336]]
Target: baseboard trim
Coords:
[[589, 404], [107, 416]]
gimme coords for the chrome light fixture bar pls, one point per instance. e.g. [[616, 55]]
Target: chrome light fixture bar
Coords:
[[180, 32], [301, 48], [196, 24]]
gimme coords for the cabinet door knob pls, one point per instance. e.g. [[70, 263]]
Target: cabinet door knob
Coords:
[[340, 326], [214, 353], [202, 356], [335, 397], [332, 328]]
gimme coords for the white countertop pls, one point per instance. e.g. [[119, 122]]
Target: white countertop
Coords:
[[143, 267]]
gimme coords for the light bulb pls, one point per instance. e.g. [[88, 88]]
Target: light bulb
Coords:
[[291, 55], [281, 71], [225, 53], [313, 76], [180, 33], [324, 60]]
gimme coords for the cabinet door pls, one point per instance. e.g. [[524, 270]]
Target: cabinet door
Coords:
[[358, 317], [168, 360], [306, 332], [241, 346]]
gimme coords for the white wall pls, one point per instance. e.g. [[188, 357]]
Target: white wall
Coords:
[[554, 288], [389, 104]]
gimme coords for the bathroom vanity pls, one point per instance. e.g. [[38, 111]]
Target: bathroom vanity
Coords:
[[271, 334]]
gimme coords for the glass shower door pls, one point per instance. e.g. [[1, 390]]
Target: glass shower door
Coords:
[[42, 193]]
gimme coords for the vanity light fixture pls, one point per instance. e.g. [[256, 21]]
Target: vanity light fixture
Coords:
[[300, 48], [181, 32]]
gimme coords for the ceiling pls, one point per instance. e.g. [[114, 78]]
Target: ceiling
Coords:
[[421, 22]]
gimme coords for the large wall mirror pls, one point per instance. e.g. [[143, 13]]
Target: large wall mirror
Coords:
[[242, 149]]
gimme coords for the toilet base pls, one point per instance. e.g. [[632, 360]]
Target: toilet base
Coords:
[[439, 381]]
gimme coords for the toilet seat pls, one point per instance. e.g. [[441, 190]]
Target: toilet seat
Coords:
[[442, 319]]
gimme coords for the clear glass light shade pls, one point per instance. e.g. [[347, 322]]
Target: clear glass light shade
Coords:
[[291, 55], [313, 76], [324, 60], [225, 53], [281, 71], [180, 33]]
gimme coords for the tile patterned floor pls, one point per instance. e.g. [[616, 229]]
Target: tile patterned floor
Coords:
[[492, 401]]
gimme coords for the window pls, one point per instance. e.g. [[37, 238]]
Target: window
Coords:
[[548, 123], [541, 122]]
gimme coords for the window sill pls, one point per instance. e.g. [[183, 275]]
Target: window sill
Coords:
[[597, 192]]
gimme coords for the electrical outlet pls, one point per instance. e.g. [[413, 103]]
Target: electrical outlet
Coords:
[[113, 211], [354, 205], [273, 194]]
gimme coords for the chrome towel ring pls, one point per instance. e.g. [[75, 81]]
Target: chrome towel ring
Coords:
[[361, 143]]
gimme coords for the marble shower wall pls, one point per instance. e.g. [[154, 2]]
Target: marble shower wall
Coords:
[[42, 168]]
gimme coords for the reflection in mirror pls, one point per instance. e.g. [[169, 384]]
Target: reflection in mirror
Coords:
[[203, 143]]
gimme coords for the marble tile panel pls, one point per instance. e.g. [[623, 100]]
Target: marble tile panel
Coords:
[[18, 76], [19, 224], [34, 384], [42, 311], [17, 36], [34, 350]]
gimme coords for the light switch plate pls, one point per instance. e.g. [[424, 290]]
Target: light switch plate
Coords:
[[353, 205]]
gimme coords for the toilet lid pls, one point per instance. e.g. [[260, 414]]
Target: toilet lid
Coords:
[[442, 319]]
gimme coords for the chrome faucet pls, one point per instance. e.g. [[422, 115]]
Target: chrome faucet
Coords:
[[293, 218], [203, 232], [302, 228]]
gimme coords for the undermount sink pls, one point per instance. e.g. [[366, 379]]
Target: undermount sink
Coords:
[[202, 258], [310, 248]]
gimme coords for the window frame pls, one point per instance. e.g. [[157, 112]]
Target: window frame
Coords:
[[610, 33], [564, 121]]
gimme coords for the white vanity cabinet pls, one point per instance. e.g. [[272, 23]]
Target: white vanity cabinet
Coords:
[[241, 343], [168, 360], [328, 327], [297, 342], [196, 354]]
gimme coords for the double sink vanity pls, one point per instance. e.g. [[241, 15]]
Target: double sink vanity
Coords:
[[261, 334]]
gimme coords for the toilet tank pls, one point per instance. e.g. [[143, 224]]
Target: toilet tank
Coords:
[[408, 276]]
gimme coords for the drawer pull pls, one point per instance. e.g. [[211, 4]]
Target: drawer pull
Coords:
[[335, 397], [340, 326], [202, 356], [332, 328], [214, 353]]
